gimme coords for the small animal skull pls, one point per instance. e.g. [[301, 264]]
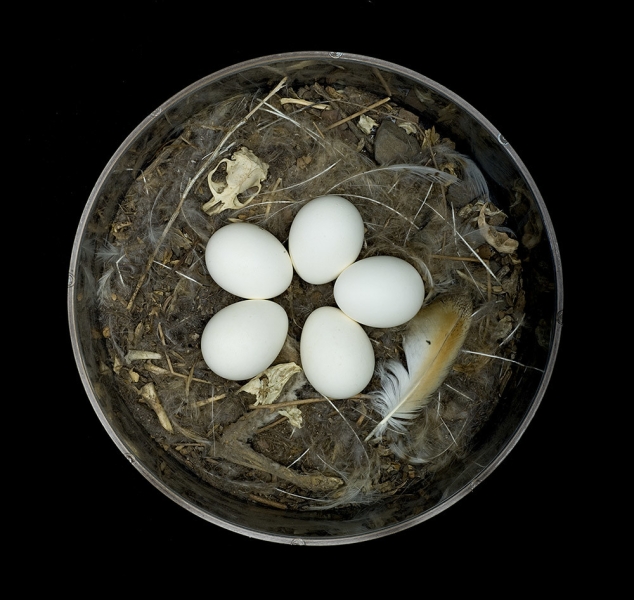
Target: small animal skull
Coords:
[[244, 170]]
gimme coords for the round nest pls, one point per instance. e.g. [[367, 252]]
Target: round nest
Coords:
[[275, 440]]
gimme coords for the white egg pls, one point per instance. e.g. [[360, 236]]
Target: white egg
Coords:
[[380, 291], [243, 339], [325, 237], [248, 261], [336, 353]]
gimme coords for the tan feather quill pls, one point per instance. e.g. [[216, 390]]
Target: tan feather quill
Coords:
[[431, 344]]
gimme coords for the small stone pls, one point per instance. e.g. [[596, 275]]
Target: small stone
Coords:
[[393, 145]]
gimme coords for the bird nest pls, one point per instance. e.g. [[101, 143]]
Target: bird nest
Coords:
[[274, 440]]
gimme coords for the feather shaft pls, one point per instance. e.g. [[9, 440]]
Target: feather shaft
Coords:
[[431, 344]]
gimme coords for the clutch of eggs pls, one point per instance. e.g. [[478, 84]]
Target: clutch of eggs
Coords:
[[325, 239]]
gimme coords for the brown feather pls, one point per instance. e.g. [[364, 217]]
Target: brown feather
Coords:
[[431, 344]]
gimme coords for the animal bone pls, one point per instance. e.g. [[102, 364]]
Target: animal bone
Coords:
[[244, 170], [502, 242], [150, 397]]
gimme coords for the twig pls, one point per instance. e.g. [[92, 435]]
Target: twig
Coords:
[[379, 76], [188, 381], [357, 114], [304, 103], [481, 287], [271, 425], [459, 258], [288, 403], [161, 371], [305, 401], [267, 502], [362, 416], [152, 368], [209, 400]]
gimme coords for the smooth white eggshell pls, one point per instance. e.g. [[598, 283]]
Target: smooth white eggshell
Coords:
[[325, 237], [248, 261], [336, 353], [243, 339], [380, 291]]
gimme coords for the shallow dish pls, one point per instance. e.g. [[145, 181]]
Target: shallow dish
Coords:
[[401, 147]]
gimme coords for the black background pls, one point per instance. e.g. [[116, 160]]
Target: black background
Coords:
[[97, 76]]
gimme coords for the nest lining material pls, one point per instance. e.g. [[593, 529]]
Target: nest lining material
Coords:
[[421, 200]]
